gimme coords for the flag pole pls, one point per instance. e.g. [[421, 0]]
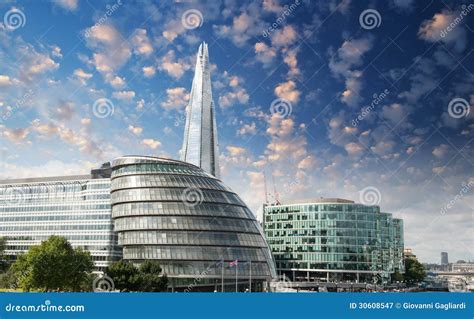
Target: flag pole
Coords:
[[236, 276], [250, 279], [222, 276]]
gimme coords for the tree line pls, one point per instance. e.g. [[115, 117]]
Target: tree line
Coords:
[[55, 265]]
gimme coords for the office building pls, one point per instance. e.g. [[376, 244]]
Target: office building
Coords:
[[334, 239], [444, 258], [200, 145], [190, 222], [76, 207]]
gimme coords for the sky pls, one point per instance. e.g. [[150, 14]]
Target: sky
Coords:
[[363, 100]]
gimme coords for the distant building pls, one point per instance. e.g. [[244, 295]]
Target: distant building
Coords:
[[76, 207], [408, 253], [333, 239], [444, 258], [463, 267]]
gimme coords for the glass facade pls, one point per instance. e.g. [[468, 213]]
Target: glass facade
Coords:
[[189, 235], [334, 238], [200, 145], [76, 207]]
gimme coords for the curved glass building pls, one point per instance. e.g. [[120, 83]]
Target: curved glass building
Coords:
[[199, 231], [333, 239]]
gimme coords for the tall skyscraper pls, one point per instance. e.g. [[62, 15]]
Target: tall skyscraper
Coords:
[[200, 134]]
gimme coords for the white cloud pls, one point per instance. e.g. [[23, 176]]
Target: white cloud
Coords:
[[151, 143], [177, 98], [141, 43], [148, 71], [284, 37], [288, 91], [67, 4], [247, 129], [173, 67], [124, 95], [265, 54], [440, 151], [135, 129], [436, 30], [230, 98], [82, 76]]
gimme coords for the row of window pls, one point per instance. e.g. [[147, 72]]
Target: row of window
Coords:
[[167, 208], [322, 208], [91, 217], [70, 237], [167, 181], [191, 197], [53, 188], [366, 250], [193, 253], [55, 208], [18, 228], [190, 238], [185, 223], [156, 168], [323, 215], [207, 269], [330, 257]]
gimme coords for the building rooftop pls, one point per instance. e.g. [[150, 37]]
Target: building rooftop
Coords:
[[315, 201]]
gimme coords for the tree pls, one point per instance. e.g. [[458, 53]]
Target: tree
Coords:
[[53, 265], [3, 257], [125, 276], [397, 277], [414, 271], [151, 278]]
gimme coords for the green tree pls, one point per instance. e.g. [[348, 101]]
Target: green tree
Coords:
[[125, 275], [414, 271], [53, 265], [397, 276], [151, 278], [3, 257]]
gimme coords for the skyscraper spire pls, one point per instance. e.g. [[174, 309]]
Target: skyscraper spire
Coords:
[[200, 134]]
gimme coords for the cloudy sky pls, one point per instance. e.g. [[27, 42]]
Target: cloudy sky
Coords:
[[348, 99]]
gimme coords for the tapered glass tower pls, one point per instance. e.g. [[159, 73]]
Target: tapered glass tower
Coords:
[[200, 135]]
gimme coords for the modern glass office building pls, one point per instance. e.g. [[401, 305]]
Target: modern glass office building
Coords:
[[334, 239], [189, 221], [76, 207]]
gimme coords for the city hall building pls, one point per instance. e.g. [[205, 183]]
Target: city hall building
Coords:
[[334, 239], [190, 222]]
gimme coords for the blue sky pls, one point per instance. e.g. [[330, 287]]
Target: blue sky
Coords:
[[368, 101]]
